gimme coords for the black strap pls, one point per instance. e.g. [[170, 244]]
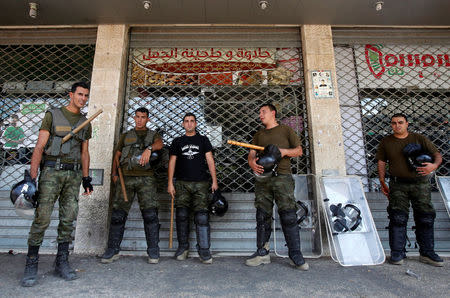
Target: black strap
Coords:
[[305, 215], [358, 217], [340, 223], [409, 180]]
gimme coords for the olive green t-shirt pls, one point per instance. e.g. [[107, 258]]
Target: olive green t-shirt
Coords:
[[73, 119], [141, 134], [391, 150], [281, 136]]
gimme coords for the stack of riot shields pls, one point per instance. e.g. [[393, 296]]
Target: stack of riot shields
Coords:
[[443, 183], [308, 219], [351, 231]]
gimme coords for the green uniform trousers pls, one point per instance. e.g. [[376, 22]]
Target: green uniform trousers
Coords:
[[142, 186], [192, 194], [279, 189], [418, 194], [53, 185]]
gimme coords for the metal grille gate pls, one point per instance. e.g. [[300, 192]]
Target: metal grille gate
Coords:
[[377, 80], [222, 75], [37, 69]]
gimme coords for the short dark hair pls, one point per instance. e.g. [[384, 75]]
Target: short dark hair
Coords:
[[14, 116], [270, 106], [190, 115], [142, 110], [396, 115], [79, 84]]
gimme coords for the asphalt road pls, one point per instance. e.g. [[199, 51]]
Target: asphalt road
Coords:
[[226, 277]]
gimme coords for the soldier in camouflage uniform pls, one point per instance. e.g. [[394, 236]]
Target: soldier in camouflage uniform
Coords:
[[190, 155], [133, 154], [279, 188], [63, 168], [408, 185]]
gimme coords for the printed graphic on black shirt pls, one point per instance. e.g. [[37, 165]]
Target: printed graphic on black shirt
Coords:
[[191, 161], [190, 151]]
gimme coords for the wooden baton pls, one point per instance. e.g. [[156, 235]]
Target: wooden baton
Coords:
[[247, 145], [171, 222], [122, 184], [80, 127]]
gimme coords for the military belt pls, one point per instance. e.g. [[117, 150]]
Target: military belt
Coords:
[[409, 180], [62, 166]]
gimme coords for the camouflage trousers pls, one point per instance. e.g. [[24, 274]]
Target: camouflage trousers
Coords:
[[53, 185], [418, 194], [279, 189], [142, 186], [192, 194]]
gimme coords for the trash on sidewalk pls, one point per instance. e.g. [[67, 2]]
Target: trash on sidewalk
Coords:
[[412, 273]]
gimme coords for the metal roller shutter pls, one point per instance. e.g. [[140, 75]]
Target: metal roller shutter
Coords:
[[176, 70], [37, 68]]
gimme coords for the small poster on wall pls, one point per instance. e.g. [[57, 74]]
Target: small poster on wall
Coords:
[[322, 84]]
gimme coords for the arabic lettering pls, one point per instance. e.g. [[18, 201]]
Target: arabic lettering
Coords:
[[204, 54]]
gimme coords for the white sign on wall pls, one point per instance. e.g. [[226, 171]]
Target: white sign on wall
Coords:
[[400, 66], [322, 84]]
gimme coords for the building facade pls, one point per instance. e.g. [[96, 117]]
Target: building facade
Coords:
[[335, 86]]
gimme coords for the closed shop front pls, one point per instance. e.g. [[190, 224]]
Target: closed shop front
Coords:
[[385, 71]]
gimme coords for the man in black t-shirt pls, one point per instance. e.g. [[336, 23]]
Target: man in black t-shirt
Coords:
[[190, 156]]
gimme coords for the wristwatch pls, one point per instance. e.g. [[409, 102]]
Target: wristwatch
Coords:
[[150, 148]]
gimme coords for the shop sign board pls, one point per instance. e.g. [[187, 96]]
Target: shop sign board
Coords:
[[401, 66]]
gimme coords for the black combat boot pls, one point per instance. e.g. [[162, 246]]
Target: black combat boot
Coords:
[[116, 230], [62, 267], [398, 221], [182, 222], [151, 228], [31, 267], [203, 231], [425, 239], [291, 232], [263, 231]]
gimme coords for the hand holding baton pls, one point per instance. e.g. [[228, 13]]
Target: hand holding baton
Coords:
[[269, 159]]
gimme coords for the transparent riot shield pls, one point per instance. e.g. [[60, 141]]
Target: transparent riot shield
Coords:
[[352, 234], [308, 220], [443, 183]]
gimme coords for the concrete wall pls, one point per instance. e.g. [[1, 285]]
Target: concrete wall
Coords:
[[107, 93], [324, 114], [324, 117]]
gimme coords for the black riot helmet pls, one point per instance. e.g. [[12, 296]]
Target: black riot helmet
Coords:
[[155, 158], [415, 155], [218, 205], [23, 196], [269, 159]]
